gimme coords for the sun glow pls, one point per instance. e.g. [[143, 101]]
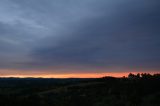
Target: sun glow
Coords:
[[67, 75]]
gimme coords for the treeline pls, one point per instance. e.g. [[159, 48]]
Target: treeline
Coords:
[[143, 76], [136, 76]]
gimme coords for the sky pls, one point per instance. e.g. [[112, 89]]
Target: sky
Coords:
[[69, 38]]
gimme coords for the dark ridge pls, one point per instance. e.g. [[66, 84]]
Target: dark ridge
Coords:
[[135, 90]]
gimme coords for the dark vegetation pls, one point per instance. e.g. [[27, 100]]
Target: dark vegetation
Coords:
[[135, 90]]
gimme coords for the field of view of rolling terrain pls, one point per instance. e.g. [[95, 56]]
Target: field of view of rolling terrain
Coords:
[[79, 52]]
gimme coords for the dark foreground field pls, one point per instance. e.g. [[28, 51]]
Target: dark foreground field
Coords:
[[136, 90]]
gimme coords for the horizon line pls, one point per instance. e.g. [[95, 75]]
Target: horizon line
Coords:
[[76, 75]]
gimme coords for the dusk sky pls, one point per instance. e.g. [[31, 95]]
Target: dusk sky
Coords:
[[67, 38]]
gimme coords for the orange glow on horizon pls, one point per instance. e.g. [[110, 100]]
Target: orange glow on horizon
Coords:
[[81, 75], [75, 74]]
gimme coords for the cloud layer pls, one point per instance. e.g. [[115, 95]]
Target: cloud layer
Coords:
[[80, 35]]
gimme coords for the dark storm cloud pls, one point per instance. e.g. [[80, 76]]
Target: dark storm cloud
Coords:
[[87, 33], [126, 35]]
